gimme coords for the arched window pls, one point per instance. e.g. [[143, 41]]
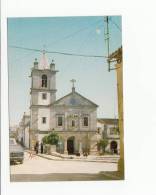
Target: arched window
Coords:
[[44, 80]]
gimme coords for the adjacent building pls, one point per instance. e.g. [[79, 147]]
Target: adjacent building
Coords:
[[23, 130], [109, 129]]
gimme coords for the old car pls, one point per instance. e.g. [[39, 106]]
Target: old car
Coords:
[[16, 151]]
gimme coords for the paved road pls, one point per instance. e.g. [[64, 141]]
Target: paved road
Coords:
[[40, 169], [63, 177]]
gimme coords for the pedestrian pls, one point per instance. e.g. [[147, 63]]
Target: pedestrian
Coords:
[[36, 147], [31, 152], [41, 148]]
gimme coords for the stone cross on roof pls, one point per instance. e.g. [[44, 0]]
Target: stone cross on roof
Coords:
[[73, 81], [73, 87]]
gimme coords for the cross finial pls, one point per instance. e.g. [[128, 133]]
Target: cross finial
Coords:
[[73, 87], [44, 48], [73, 81]]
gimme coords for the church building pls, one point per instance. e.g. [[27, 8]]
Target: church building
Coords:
[[73, 117]]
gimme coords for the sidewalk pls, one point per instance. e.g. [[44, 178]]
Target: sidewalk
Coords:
[[90, 158]]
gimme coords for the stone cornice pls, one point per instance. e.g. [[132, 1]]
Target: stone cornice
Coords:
[[36, 106], [42, 89], [44, 70], [72, 106]]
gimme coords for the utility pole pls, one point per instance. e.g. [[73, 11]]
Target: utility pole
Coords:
[[106, 19], [116, 58]]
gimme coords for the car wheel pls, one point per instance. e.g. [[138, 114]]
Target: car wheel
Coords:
[[21, 162]]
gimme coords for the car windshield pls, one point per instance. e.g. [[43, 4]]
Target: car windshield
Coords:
[[13, 142]]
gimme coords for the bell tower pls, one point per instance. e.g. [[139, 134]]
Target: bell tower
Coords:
[[43, 94]]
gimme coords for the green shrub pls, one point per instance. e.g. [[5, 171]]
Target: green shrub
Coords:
[[102, 144], [44, 139], [51, 139]]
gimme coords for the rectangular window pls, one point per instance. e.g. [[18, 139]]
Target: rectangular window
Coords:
[[43, 120], [113, 130], [44, 96], [85, 121], [60, 121], [73, 123]]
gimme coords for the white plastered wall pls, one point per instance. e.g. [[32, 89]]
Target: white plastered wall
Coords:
[[40, 136], [44, 112], [43, 101]]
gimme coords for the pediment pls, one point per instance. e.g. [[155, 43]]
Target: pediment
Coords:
[[74, 99]]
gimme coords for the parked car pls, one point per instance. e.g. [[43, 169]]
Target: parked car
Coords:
[[16, 151]]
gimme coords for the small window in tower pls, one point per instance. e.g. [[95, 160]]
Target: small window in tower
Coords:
[[85, 121], [60, 121], [43, 120], [44, 96], [44, 80]]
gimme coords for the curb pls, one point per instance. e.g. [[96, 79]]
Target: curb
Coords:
[[79, 160]]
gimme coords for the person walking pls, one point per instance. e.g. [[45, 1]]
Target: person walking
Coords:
[[36, 147], [41, 148], [31, 152]]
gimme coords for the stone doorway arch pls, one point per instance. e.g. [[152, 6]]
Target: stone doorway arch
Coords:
[[71, 145]]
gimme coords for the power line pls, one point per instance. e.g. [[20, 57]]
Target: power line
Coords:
[[118, 27], [23, 57], [74, 33], [57, 52]]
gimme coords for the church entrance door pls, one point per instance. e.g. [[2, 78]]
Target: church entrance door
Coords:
[[70, 145]]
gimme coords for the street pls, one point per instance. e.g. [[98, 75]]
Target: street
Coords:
[[41, 169]]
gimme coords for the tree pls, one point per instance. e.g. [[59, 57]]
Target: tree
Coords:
[[51, 139], [44, 140], [102, 144]]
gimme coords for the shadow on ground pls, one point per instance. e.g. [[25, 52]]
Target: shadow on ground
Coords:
[[65, 177]]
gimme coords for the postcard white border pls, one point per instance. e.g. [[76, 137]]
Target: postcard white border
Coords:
[[139, 40]]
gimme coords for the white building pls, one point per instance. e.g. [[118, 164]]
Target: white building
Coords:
[[13, 131], [73, 116], [23, 130], [109, 129]]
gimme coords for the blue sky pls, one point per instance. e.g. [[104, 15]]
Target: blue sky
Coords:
[[84, 35]]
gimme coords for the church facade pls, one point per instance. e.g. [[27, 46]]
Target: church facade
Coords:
[[73, 117]]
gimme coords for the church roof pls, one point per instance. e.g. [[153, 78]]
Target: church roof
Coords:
[[74, 99]]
